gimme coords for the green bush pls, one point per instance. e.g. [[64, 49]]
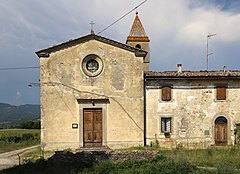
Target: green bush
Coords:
[[30, 125]]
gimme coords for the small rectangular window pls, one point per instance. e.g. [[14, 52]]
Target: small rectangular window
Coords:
[[221, 92], [166, 93], [166, 124]]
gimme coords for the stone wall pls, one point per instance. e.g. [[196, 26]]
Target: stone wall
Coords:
[[193, 110], [91, 157]]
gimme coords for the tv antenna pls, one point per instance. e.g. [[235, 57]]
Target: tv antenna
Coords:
[[208, 54]]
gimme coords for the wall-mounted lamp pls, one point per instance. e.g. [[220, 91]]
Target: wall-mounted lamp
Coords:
[[30, 85]]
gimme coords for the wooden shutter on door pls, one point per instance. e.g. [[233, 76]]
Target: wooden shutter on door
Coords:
[[97, 131], [88, 126], [220, 134], [221, 93], [166, 93]]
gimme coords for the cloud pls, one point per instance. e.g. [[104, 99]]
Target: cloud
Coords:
[[177, 30], [186, 24], [180, 31], [225, 24]]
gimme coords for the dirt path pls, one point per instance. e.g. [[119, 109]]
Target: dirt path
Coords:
[[10, 159]]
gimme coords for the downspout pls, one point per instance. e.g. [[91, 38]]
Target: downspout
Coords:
[[145, 111]]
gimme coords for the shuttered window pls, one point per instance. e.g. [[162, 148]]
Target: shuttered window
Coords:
[[166, 93], [166, 125], [221, 92]]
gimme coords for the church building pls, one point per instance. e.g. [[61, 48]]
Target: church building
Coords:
[[97, 92]]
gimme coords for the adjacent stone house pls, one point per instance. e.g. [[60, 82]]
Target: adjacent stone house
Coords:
[[96, 92], [192, 108]]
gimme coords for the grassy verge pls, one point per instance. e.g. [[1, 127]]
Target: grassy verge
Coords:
[[212, 157], [13, 139]]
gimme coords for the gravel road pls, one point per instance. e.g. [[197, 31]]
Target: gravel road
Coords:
[[10, 159]]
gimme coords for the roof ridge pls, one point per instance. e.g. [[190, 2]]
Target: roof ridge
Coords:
[[214, 73], [45, 52]]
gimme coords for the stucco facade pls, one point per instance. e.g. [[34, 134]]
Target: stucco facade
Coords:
[[66, 90]]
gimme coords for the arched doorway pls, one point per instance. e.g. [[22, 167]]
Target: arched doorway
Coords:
[[221, 130]]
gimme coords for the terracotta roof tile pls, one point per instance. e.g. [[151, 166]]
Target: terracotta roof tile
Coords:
[[137, 28], [193, 74], [137, 32]]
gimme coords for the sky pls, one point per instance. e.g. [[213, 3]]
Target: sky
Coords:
[[177, 30]]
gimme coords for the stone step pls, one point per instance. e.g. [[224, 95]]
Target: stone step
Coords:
[[89, 149]]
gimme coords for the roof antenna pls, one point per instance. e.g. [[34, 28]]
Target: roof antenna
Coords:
[[208, 54]]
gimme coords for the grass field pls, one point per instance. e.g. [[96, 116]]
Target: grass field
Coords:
[[13, 139]]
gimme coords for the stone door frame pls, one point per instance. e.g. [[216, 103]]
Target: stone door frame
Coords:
[[229, 141], [221, 132], [93, 104], [92, 127]]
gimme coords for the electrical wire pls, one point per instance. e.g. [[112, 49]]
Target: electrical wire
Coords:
[[61, 97], [94, 93], [19, 68], [23, 68], [122, 17]]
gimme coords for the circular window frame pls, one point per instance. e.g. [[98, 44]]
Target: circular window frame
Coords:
[[86, 60]]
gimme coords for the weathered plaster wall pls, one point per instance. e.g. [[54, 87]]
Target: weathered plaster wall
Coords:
[[193, 110], [63, 82]]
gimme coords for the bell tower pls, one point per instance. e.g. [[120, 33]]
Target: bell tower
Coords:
[[139, 39]]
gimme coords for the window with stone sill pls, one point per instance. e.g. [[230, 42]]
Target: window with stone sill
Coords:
[[166, 123]]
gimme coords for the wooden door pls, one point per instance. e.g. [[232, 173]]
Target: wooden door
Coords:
[[92, 127], [220, 134]]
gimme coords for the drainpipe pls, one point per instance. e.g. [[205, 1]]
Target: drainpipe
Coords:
[[145, 111]]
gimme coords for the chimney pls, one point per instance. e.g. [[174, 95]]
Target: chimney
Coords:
[[179, 68]]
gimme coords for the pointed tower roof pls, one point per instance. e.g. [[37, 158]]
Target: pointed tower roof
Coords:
[[137, 32]]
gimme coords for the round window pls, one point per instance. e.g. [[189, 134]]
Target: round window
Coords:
[[92, 65]]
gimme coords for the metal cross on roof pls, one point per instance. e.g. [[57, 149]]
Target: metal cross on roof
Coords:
[[92, 24]]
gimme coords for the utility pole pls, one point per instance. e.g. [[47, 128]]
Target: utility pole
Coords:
[[208, 54]]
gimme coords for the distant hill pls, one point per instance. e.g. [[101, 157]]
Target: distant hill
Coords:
[[10, 114]]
